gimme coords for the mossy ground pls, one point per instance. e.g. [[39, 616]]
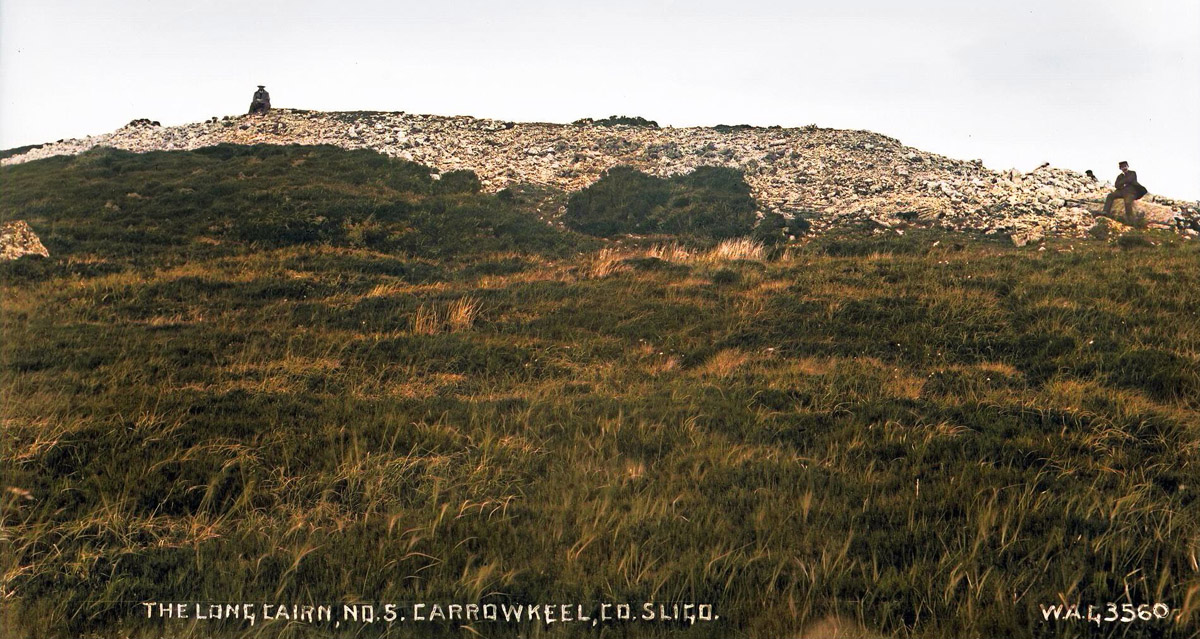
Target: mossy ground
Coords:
[[921, 440]]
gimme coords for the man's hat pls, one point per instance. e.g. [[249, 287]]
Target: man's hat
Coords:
[[262, 86], [1122, 163]]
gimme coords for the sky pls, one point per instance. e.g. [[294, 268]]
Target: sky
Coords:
[[1080, 84]]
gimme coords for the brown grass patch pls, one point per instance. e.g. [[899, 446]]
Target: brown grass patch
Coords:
[[724, 363], [903, 385], [999, 368], [834, 627], [664, 364], [814, 365]]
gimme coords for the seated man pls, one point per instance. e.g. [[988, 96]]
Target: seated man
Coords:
[[1127, 188], [261, 102]]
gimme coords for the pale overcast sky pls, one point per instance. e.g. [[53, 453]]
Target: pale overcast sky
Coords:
[[1079, 83]]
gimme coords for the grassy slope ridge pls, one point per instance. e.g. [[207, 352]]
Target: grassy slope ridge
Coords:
[[18, 150], [157, 206], [309, 375]]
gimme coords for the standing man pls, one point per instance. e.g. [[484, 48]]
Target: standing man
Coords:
[[261, 102], [1127, 188]]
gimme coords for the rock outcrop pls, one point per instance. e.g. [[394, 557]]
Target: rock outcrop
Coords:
[[18, 240], [831, 177]]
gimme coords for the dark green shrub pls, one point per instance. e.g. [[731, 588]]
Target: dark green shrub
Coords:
[[771, 230], [799, 225], [726, 276], [710, 202], [614, 120], [622, 201], [457, 182]]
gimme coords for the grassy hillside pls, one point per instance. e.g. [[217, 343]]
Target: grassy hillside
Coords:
[[303, 375]]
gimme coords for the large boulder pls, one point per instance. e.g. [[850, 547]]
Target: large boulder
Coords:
[[18, 240], [1145, 213], [1027, 235]]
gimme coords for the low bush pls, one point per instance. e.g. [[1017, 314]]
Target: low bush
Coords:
[[710, 202], [614, 120]]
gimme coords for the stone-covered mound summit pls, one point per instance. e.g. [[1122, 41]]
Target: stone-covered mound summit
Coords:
[[832, 177]]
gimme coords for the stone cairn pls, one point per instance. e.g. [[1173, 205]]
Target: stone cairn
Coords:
[[831, 177]]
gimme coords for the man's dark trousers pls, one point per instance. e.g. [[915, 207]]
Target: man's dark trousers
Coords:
[[1126, 193]]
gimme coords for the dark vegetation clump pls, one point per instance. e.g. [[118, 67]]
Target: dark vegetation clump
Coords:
[[864, 242], [710, 202], [726, 276], [774, 229], [614, 120], [462, 181], [167, 206]]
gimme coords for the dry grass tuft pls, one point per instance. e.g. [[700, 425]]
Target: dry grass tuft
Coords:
[[672, 252], [999, 367], [387, 289], [457, 316], [461, 314], [725, 362], [425, 321], [742, 248], [662, 365], [607, 262]]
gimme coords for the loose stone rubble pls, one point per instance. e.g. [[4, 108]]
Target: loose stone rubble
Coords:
[[17, 240], [832, 177]]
